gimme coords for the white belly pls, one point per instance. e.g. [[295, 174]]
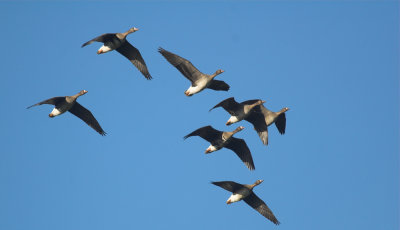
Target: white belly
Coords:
[[193, 90], [56, 112], [61, 109], [233, 119], [105, 49], [238, 196], [235, 198], [211, 148]]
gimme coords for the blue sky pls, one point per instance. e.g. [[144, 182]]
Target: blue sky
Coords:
[[334, 64]]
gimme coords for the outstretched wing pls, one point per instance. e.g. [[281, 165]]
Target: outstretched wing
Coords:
[[218, 85], [255, 202], [51, 101], [133, 54], [241, 149], [281, 123], [208, 133], [86, 116], [101, 38], [229, 104], [184, 66], [230, 186], [258, 120]]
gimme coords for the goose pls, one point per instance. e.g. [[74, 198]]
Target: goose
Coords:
[[241, 111], [117, 41], [68, 103], [261, 118], [199, 80], [219, 139], [245, 192]]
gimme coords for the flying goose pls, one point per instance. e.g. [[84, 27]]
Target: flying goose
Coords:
[[241, 111], [219, 139], [117, 41], [261, 116], [245, 192], [199, 80], [68, 103]]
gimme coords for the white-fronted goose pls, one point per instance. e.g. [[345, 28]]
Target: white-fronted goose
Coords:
[[245, 192], [68, 103], [241, 111], [117, 41], [219, 139], [199, 80], [261, 116]]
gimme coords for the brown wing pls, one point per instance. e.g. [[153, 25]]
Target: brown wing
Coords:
[[230, 105], [208, 133], [101, 38], [258, 120], [255, 202], [184, 66], [218, 85], [230, 186], [86, 116], [133, 54], [52, 101], [241, 149], [280, 123]]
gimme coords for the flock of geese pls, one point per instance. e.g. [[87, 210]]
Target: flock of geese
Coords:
[[252, 111]]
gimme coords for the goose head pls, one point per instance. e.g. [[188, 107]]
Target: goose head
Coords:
[[133, 29], [238, 129], [256, 183], [260, 102], [218, 72], [284, 109], [82, 92]]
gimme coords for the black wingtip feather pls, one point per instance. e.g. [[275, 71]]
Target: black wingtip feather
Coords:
[[161, 50]]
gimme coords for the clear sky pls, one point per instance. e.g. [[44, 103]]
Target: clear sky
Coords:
[[335, 64]]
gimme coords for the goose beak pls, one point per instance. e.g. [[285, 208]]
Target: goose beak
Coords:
[[99, 51], [135, 29], [228, 123], [51, 115], [207, 151], [229, 202]]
